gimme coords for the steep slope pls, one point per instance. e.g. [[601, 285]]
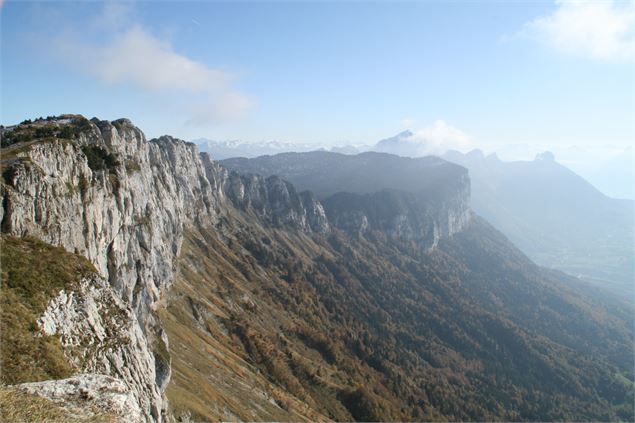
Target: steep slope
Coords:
[[250, 300], [60, 318], [552, 214], [372, 328], [101, 190]]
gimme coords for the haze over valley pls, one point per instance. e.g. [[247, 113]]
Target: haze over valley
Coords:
[[476, 265]]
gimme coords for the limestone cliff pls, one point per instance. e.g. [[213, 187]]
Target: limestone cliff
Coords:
[[423, 200], [279, 305], [276, 201], [419, 217], [100, 189]]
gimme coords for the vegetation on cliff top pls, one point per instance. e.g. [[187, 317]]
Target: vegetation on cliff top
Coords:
[[65, 127]]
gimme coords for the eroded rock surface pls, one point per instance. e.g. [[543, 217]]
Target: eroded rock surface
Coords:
[[89, 396]]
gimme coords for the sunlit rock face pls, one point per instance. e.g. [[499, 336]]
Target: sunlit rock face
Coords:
[[89, 396], [124, 202], [100, 335]]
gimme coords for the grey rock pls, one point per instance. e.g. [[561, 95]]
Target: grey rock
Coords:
[[128, 218], [100, 334], [88, 396]]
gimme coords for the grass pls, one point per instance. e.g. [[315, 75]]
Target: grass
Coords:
[[132, 166], [33, 273], [212, 376], [17, 406]]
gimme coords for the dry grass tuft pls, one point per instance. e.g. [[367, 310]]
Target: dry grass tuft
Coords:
[[32, 273], [18, 406]]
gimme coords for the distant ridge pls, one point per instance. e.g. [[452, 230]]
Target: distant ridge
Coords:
[[551, 213], [210, 294]]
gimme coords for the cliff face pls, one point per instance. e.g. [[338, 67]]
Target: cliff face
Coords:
[[126, 215], [422, 200], [124, 202], [101, 335], [274, 308], [276, 201], [422, 218]]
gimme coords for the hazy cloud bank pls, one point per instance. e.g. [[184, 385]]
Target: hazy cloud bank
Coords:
[[595, 29]]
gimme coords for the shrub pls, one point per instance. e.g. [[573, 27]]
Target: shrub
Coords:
[[44, 132], [366, 407], [114, 181], [13, 137], [98, 158], [132, 166]]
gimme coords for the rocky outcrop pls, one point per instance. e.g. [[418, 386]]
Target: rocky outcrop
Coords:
[[100, 335], [89, 397], [276, 202], [107, 193]]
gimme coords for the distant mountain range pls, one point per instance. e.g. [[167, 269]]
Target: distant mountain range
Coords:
[[221, 150], [145, 282], [556, 217], [611, 171]]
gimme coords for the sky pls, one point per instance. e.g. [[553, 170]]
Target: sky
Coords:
[[515, 77]]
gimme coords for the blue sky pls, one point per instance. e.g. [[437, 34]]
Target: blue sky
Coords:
[[472, 74]]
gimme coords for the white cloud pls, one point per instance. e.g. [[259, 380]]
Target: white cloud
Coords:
[[138, 57], [594, 29], [229, 107], [437, 138], [441, 137], [135, 56]]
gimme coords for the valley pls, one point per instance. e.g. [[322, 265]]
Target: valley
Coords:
[[239, 295]]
